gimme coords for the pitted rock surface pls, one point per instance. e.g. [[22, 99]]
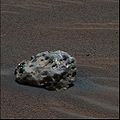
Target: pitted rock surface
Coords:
[[52, 70]]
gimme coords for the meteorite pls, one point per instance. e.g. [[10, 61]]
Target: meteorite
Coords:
[[53, 70]]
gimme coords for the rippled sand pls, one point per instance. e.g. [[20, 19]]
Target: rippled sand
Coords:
[[88, 30]]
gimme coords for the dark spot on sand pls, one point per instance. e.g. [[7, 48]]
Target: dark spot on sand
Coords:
[[87, 54]]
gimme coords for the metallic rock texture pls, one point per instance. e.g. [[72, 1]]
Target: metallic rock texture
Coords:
[[52, 70]]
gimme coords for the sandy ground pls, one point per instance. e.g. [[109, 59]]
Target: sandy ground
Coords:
[[86, 29]]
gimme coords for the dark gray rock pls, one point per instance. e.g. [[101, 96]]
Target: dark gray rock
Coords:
[[51, 70]]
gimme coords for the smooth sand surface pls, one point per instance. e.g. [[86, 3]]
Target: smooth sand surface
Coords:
[[86, 29]]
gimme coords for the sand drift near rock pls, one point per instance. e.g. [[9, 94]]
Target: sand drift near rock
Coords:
[[51, 70]]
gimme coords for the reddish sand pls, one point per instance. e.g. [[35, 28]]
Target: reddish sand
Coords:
[[86, 29]]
